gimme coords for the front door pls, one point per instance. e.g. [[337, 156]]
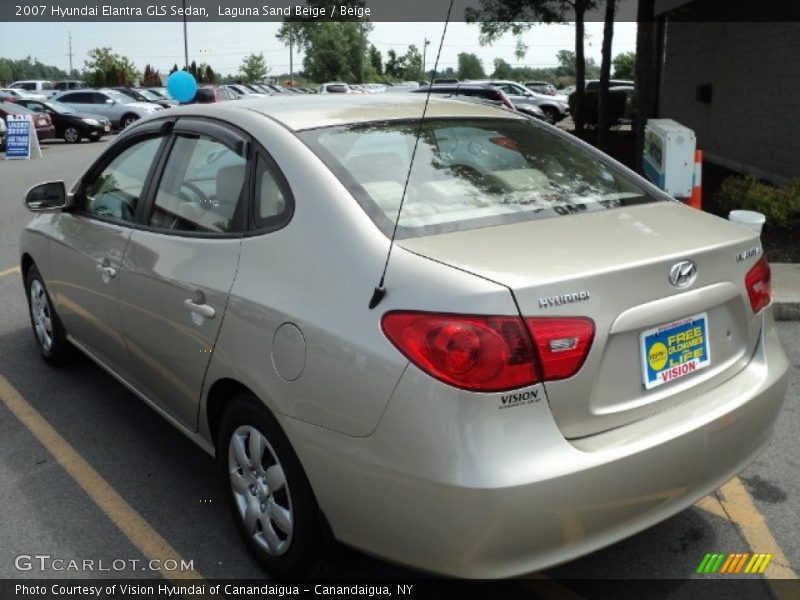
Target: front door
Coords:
[[91, 241]]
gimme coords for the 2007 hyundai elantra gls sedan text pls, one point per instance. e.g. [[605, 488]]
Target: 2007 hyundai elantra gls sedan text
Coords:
[[559, 357]]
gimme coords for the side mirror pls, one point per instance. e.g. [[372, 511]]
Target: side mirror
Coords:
[[48, 196]]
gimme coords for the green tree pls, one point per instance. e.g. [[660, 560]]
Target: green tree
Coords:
[[6, 74], [117, 70], [151, 77], [375, 59], [174, 69], [322, 40], [502, 70], [624, 65], [394, 65], [470, 66], [253, 68], [412, 64], [208, 75]]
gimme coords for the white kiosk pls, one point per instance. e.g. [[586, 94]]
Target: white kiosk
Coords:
[[669, 156]]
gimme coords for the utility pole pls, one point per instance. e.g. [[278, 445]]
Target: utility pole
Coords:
[[291, 58], [70, 53], [185, 39], [424, 57]]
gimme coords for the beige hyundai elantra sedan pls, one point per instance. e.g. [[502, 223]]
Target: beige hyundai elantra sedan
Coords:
[[558, 357]]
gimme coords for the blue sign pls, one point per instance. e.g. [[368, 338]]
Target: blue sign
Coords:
[[18, 136]]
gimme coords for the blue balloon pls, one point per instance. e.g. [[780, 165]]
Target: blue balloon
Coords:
[[182, 86]]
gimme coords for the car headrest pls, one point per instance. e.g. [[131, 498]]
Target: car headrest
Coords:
[[230, 181]]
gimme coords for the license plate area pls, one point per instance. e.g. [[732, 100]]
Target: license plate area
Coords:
[[674, 350]]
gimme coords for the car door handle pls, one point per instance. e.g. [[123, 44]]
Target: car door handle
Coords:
[[204, 310], [107, 270]]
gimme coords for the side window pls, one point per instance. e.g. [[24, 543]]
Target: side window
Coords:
[[201, 189], [79, 98], [96, 98], [271, 196], [116, 190]]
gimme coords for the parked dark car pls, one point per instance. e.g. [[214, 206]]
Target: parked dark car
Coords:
[[69, 84], [487, 92], [142, 95], [42, 122], [594, 84], [70, 124], [208, 94], [621, 102]]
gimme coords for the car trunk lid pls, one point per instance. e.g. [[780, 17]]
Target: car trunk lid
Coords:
[[614, 266]]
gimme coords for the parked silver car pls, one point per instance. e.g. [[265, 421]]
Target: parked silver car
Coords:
[[118, 108], [555, 108], [560, 355]]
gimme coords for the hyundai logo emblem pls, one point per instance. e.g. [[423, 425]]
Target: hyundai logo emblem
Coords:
[[682, 274]]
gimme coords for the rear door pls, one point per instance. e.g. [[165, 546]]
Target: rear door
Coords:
[[180, 265]]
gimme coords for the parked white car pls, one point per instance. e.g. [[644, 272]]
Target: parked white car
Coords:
[[38, 86], [335, 87]]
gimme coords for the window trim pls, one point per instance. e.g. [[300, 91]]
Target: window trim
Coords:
[[256, 224], [195, 125], [106, 159]]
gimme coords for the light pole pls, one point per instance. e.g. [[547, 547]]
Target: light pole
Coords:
[[424, 57], [185, 40]]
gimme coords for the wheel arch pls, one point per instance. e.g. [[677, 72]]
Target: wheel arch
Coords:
[[25, 264], [221, 392]]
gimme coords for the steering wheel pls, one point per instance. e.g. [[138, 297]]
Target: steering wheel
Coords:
[[199, 193]]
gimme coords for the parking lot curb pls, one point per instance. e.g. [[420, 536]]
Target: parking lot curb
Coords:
[[787, 311], [786, 291]]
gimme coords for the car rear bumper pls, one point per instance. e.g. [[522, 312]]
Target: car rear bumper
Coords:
[[95, 131], [46, 133], [460, 486]]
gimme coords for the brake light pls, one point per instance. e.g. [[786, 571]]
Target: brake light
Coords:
[[562, 344], [505, 142], [489, 354], [758, 282]]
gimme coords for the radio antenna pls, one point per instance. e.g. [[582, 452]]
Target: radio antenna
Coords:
[[380, 290]]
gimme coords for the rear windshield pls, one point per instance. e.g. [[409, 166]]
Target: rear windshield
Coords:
[[468, 173]]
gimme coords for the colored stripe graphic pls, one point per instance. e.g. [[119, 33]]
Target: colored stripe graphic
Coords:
[[730, 564]]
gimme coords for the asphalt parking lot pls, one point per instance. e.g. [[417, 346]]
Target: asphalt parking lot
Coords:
[[87, 471]]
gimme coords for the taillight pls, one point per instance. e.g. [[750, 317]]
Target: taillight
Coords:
[[758, 282], [489, 354], [562, 344]]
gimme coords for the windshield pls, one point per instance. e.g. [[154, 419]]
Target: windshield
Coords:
[[119, 96], [59, 107], [468, 173], [147, 94]]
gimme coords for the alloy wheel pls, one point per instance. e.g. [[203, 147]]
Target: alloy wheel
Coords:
[[42, 315], [260, 490]]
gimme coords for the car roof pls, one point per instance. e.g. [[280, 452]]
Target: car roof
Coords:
[[313, 111]]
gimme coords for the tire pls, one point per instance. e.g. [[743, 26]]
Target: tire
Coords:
[[72, 135], [127, 120], [551, 114], [47, 328], [286, 531]]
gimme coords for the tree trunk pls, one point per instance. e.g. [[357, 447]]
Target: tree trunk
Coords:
[[647, 45], [580, 67], [603, 116]]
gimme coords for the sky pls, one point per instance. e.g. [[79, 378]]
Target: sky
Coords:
[[223, 45]]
